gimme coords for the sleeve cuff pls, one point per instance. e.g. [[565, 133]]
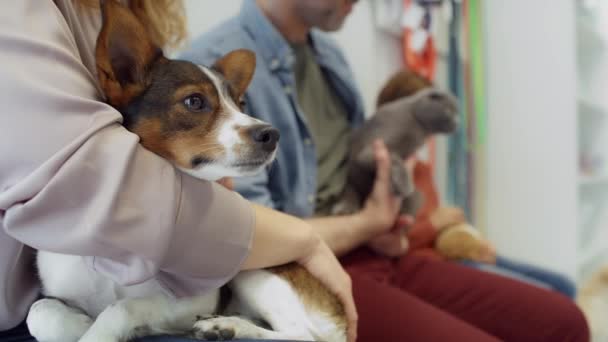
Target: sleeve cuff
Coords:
[[213, 235]]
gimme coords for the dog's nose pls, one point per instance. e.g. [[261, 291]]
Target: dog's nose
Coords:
[[266, 136]]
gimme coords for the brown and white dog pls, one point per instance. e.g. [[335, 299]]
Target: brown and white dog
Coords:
[[191, 115]]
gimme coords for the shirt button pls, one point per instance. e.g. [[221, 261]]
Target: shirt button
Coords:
[[311, 199], [307, 142], [287, 89], [274, 64]]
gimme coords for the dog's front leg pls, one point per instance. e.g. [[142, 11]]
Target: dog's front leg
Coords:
[[222, 328], [264, 295], [50, 320], [153, 315]]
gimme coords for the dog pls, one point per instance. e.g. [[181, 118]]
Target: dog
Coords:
[[192, 116], [410, 110]]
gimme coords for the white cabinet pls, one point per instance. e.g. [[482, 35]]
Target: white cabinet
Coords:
[[531, 170], [592, 66], [547, 165]]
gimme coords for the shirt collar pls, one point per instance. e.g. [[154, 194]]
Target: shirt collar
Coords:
[[273, 48]]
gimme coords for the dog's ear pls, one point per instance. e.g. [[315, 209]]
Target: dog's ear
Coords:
[[237, 67], [124, 54]]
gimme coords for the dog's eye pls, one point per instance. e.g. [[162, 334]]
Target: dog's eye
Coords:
[[242, 103], [196, 103]]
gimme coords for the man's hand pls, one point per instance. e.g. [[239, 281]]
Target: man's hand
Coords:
[[382, 207], [444, 217], [393, 243]]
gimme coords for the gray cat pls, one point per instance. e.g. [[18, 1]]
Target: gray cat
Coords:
[[404, 124]]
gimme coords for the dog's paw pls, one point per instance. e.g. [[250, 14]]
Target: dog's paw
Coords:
[[224, 328], [51, 320], [215, 328]]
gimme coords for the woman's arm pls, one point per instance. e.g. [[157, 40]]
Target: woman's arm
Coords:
[[279, 239], [74, 181], [273, 244], [343, 233]]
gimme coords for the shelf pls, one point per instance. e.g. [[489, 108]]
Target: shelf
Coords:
[[590, 35], [593, 256], [597, 250], [591, 107], [588, 267]]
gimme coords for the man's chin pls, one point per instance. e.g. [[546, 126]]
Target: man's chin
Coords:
[[332, 27]]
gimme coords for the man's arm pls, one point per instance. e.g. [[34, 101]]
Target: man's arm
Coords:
[[378, 216]]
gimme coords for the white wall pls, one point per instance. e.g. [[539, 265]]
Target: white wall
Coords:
[[373, 54], [532, 163], [204, 14]]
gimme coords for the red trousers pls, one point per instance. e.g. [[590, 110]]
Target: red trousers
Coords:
[[415, 298]]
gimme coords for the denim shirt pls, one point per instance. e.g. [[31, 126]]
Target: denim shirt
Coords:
[[290, 184]]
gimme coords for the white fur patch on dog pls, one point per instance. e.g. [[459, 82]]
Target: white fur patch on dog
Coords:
[[228, 137], [52, 321], [212, 172], [264, 295]]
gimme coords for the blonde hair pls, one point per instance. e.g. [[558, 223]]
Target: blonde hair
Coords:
[[165, 20]]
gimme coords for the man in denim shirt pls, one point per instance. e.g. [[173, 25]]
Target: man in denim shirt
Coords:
[[305, 88], [274, 75], [292, 183]]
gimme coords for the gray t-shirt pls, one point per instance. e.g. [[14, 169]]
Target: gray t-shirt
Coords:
[[328, 123]]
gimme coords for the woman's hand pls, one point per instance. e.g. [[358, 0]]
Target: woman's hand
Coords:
[[323, 265], [280, 239]]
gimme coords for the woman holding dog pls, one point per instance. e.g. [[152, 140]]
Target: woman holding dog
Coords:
[[74, 181]]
